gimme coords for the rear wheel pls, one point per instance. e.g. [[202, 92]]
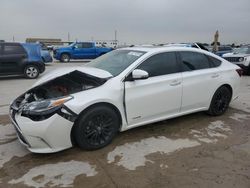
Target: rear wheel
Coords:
[[96, 128], [220, 101], [65, 58], [31, 71]]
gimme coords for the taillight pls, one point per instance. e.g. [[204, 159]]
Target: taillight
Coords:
[[240, 72]]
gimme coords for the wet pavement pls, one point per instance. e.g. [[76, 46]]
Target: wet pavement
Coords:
[[196, 150]]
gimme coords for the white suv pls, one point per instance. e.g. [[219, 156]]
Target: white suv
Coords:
[[240, 57]]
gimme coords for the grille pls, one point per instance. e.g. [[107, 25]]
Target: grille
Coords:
[[232, 59]]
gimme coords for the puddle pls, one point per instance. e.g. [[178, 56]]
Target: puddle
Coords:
[[10, 150], [133, 155], [7, 133], [211, 133], [239, 117], [61, 174]]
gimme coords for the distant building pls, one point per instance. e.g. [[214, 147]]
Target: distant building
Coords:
[[2, 41], [46, 41]]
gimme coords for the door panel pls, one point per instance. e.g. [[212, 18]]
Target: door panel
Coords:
[[153, 98], [12, 58], [200, 80], [84, 51], [198, 87]]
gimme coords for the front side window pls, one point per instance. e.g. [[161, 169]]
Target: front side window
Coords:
[[160, 64], [78, 45], [194, 61]]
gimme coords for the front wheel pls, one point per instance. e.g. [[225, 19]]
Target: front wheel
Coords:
[[220, 101], [65, 58], [31, 72], [96, 128]]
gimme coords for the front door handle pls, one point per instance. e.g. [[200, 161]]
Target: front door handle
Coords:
[[175, 83]]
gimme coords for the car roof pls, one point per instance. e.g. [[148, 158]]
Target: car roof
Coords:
[[163, 48]]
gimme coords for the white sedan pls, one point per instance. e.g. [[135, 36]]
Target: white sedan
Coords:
[[126, 88]]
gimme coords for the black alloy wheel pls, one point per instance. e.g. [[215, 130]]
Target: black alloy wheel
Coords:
[[220, 101], [96, 128]]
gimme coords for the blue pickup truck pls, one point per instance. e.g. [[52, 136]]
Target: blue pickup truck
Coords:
[[79, 50]]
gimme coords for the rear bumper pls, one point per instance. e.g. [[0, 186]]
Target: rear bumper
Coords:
[[245, 68]]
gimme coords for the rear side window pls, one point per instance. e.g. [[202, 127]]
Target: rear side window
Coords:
[[87, 45], [214, 61], [13, 49], [160, 64], [194, 61]]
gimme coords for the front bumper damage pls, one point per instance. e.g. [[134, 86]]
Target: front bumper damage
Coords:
[[41, 117], [46, 136]]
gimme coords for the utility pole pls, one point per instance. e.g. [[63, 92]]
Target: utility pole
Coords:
[[13, 38], [68, 37], [115, 35]]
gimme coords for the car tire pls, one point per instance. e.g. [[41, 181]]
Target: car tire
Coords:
[[65, 58], [220, 101], [96, 128], [248, 71], [31, 71]]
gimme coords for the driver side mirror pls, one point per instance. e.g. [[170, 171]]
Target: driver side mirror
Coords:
[[139, 74]]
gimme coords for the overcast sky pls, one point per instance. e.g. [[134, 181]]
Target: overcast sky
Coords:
[[136, 21]]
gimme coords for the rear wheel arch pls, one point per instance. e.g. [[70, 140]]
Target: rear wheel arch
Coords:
[[228, 91], [109, 105]]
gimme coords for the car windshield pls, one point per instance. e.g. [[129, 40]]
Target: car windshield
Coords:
[[116, 61], [243, 50]]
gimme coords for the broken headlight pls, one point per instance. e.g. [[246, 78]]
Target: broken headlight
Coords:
[[44, 107]]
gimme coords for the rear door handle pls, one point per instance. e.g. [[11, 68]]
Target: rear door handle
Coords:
[[215, 75], [175, 83]]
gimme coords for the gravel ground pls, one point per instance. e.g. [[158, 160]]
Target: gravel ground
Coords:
[[190, 151]]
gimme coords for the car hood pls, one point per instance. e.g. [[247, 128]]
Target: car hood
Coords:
[[66, 70], [235, 55]]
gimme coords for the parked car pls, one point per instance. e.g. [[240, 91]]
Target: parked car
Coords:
[[191, 45], [79, 50], [45, 53], [123, 89], [21, 59], [240, 57], [223, 50]]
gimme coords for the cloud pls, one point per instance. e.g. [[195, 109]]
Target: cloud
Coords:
[[137, 21]]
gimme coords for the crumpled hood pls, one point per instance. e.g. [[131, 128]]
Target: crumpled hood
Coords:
[[235, 55], [62, 71]]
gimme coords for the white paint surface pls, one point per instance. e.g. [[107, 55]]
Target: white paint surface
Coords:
[[10, 150], [61, 174], [7, 132], [133, 155]]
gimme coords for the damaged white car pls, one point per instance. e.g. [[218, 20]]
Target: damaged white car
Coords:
[[86, 106]]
